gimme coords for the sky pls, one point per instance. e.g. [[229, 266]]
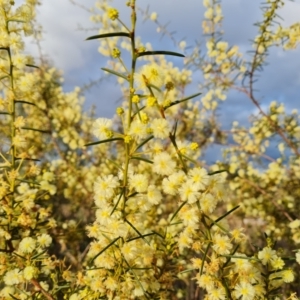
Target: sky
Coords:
[[64, 44]]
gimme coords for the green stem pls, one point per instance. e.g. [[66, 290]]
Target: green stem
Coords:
[[13, 118], [122, 63], [131, 93], [173, 141], [13, 150], [124, 25]]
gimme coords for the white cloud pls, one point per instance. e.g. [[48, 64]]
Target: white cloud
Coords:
[[62, 42], [81, 62]]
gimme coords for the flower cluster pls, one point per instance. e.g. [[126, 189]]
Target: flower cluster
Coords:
[[26, 186], [136, 214]]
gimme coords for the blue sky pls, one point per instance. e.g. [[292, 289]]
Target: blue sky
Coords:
[[80, 61]]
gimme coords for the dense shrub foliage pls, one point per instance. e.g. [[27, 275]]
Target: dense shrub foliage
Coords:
[[127, 208]]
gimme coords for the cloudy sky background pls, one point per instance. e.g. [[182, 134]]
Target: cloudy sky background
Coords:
[[80, 61]]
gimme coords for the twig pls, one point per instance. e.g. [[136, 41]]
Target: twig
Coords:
[[40, 289]]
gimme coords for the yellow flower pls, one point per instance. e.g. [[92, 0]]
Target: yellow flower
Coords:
[[154, 195], [20, 122], [160, 128], [111, 283], [184, 240], [113, 13], [29, 272], [138, 129], [153, 16], [13, 277], [287, 275], [151, 101], [120, 111], [277, 263], [244, 291], [205, 281], [222, 46], [139, 182], [44, 240], [197, 263], [194, 146], [189, 192], [217, 294], [27, 245], [209, 14], [102, 128], [266, 255], [163, 164], [135, 99], [222, 244], [116, 53]]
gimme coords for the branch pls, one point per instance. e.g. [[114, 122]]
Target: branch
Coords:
[[40, 289]]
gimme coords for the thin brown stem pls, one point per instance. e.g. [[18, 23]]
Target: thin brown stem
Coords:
[[40, 289]]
